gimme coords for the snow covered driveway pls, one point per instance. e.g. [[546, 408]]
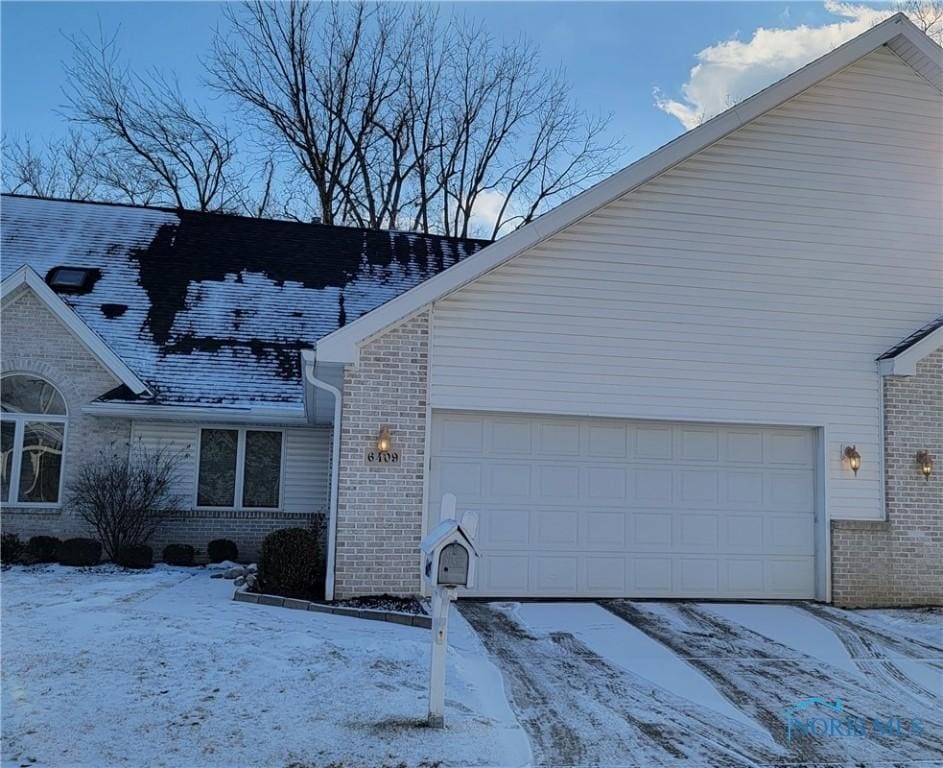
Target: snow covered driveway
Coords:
[[625, 683], [106, 668]]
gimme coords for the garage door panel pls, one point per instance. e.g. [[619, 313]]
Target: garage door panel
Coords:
[[511, 481], [653, 486], [606, 575], [698, 487], [558, 481], [605, 531], [698, 444], [504, 528], [605, 483], [744, 533], [653, 443], [744, 488], [744, 446], [510, 437], [697, 532], [558, 438], [652, 576], [608, 441], [597, 507], [790, 448], [555, 529], [653, 530], [460, 434]]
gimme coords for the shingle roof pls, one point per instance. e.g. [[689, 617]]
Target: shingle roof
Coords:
[[212, 309], [916, 336]]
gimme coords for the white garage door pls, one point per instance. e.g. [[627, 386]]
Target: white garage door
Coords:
[[599, 507]]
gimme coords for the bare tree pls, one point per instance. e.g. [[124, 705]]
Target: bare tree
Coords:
[[927, 15], [63, 168], [396, 118], [157, 147], [125, 499]]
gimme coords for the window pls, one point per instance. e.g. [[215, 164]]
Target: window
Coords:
[[243, 464], [72, 279], [32, 428]]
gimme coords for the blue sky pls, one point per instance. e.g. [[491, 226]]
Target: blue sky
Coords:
[[616, 54]]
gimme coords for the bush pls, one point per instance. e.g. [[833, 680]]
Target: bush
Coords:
[[125, 499], [43, 549], [11, 548], [222, 549], [80, 552], [135, 556], [290, 564], [178, 554]]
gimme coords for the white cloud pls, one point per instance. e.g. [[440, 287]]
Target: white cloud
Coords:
[[732, 70], [486, 210]]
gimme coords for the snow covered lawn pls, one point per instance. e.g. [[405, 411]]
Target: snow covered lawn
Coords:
[[107, 668]]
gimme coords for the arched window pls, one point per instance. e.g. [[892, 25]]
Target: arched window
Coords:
[[33, 434]]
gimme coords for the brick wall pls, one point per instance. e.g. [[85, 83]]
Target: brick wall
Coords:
[[900, 561], [35, 341], [379, 508]]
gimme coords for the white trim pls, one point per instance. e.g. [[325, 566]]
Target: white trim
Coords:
[[26, 276], [904, 363], [237, 504], [342, 346], [308, 360], [265, 416]]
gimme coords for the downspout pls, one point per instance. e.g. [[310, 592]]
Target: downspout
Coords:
[[308, 358]]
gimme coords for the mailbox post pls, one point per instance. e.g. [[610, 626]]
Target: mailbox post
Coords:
[[448, 564]]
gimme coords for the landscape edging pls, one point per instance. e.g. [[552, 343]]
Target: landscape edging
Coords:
[[373, 614]]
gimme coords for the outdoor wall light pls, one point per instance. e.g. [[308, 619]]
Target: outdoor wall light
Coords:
[[383, 440], [853, 457], [925, 463]]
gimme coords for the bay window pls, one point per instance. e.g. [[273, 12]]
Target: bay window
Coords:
[[240, 468], [32, 437]]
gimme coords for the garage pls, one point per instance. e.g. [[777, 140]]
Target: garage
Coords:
[[587, 507]]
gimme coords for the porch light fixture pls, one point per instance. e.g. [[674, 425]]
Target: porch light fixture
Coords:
[[853, 457], [384, 442], [925, 463]]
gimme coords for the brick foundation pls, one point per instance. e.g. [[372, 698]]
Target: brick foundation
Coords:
[[900, 561]]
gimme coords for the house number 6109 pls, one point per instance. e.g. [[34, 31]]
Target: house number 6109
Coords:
[[382, 457]]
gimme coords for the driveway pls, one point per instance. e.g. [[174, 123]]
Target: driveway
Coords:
[[622, 683]]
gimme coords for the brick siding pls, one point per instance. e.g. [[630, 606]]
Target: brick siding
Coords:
[[379, 507], [900, 561], [35, 341]]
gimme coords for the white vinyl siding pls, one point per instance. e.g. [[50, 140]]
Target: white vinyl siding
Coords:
[[755, 282], [306, 474]]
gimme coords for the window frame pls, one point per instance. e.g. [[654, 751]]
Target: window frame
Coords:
[[237, 505], [19, 421]]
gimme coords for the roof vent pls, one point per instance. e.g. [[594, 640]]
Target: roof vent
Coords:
[[72, 279]]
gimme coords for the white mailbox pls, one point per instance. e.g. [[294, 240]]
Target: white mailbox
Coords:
[[449, 563], [449, 554]]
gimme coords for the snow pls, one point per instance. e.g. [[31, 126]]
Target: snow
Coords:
[[623, 644], [790, 626], [103, 667]]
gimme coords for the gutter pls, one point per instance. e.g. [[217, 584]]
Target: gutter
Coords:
[[308, 359], [271, 416]]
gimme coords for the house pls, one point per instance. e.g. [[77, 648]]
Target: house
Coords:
[[716, 374], [126, 327]]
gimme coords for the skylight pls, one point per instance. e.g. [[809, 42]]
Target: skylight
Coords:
[[71, 278]]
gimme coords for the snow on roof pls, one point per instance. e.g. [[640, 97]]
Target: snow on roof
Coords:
[[212, 309]]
